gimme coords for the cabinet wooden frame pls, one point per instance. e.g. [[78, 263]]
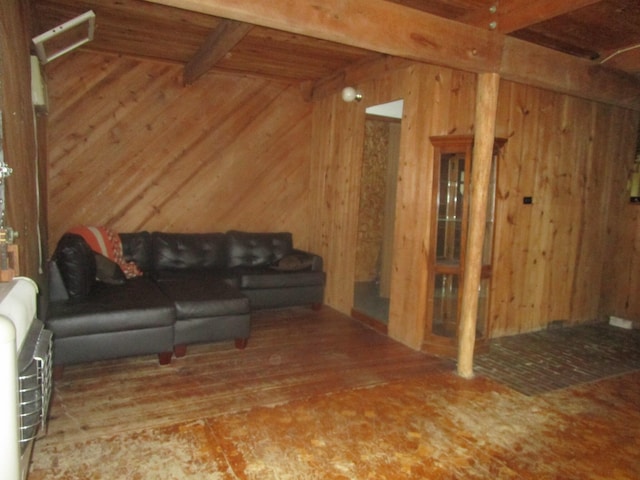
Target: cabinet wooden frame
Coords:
[[446, 257]]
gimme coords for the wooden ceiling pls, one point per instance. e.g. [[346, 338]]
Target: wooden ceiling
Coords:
[[605, 32], [158, 32]]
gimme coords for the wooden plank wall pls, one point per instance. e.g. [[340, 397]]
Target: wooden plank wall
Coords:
[[20, 139], [437, 101], [621, 271], [568, 154], [571, 156], [133, 149]]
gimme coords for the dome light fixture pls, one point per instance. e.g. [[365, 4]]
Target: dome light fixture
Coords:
[[349, 94]]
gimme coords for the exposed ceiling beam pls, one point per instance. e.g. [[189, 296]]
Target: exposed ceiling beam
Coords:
[[512, 15], [390, 28], [375, 25], [219, 42], [532, 64]]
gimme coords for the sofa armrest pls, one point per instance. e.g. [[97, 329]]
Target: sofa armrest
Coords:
[[57, 290], [76, 263]]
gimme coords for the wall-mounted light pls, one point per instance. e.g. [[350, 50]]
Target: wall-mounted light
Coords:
[[64, 38], [349, 94]]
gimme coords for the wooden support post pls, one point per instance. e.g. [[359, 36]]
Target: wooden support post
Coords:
[[485, 121]]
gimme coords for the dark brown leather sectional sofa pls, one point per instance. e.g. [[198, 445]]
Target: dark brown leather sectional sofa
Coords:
[[196, 287]]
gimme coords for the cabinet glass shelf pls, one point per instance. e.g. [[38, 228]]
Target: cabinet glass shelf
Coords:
[[450, 209]]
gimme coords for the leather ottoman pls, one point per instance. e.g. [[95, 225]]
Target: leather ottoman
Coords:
[[207, 310]]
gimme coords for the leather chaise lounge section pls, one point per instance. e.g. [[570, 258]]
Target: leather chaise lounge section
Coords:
[[196, 288]]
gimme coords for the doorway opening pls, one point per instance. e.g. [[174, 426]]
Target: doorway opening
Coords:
[[376, 217]]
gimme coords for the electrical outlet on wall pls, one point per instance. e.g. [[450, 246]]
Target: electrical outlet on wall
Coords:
[[620, 322]]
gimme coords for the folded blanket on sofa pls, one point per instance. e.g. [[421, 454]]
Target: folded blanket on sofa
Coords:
[[107, 243]]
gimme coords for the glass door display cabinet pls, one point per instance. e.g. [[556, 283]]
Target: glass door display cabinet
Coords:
[[448, 242]]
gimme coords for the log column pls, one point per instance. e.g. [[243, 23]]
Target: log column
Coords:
[[485, 120]]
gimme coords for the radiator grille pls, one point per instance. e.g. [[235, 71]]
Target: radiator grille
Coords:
[[34, 385]]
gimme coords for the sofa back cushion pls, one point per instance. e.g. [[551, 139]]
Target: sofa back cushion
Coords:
[[76, 264], [136, 247], [247, 249], [189, 251]]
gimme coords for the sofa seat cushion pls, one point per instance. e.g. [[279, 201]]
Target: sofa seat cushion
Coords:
[[194, 298], [203, 276], [139, 304], [269, 278]]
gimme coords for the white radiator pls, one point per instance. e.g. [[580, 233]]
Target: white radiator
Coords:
[[25, 375]]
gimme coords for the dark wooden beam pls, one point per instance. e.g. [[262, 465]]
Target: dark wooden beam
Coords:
[[375, 25], [508, 16], [542, 67], [219, 42], [386, 27]]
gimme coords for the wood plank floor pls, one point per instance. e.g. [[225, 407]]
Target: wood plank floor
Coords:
[[317, 395], [292, 354]]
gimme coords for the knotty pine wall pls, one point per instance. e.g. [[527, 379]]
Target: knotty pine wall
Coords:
[[621, 271], [437, 101], [131, 148], [23, 141], [551, 259]]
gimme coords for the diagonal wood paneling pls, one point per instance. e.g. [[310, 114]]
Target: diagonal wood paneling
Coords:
[[133, 149]]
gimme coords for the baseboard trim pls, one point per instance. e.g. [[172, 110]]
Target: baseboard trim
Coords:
[[370, 321]]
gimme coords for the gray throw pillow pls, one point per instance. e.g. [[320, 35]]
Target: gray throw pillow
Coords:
[[293, 262], [108, 271]]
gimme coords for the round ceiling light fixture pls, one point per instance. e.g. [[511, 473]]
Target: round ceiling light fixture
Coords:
[[349, 94]]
